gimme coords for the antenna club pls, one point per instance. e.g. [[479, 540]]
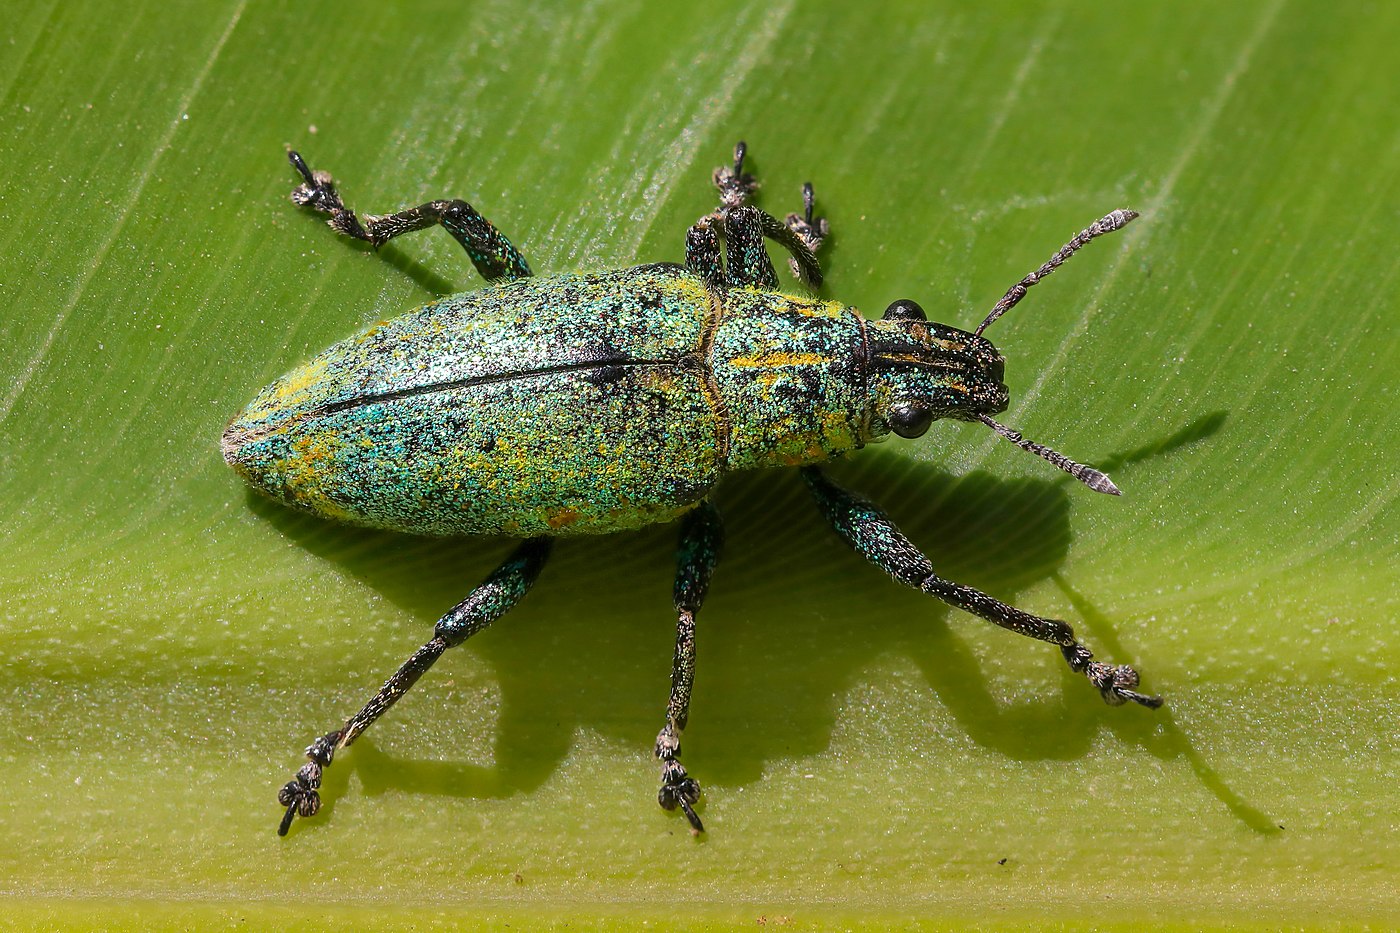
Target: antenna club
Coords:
[[1098, 481], [1116, 220]]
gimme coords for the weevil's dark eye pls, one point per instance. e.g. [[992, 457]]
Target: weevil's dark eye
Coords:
[[905, 310], [908, 419]]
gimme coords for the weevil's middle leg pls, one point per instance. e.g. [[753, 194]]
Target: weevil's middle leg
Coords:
[[494, 256], [701, 538], [875, 537], [744, 227], [484, 605]]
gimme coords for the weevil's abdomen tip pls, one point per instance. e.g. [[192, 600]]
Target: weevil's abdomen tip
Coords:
[[232, 442], [240, 450], [256, 453]]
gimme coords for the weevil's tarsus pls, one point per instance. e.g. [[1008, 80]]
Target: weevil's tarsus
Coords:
[[301, 795], [701, 538], [1115, 681], [494, 256], [735, 187], [317, 190], [810, 230], [1096, 480], [876, 538], [696, 826], [505, 587], [1114, 220], [286, 824]]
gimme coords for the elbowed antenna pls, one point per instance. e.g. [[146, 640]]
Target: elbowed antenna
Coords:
[[1096, 480], [1105, 224]]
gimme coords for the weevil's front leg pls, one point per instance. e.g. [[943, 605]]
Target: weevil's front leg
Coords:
[[701, 538], [749, 264], [494, 256], [875, 537], [487, 603]]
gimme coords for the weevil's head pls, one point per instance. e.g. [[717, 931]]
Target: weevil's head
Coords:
[[920, 371]]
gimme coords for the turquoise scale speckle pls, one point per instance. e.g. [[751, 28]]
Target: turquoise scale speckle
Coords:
[[790, 371], [543, 406]]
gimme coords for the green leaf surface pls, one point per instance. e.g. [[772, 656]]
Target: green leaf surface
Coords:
[[169, 643]]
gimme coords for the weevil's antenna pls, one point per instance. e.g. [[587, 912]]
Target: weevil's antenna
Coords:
[[1106, 224], [1094, 479]]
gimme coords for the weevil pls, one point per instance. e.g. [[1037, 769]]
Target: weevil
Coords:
[[576, 404]]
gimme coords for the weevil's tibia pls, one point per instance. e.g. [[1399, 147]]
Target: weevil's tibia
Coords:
[[700, 542], [870, 531], [499, 593], [1114, 220], [494, 256]]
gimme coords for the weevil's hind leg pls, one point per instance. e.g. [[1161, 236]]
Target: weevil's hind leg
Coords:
[[487, 603], [494, 256], [701, 538], [875, 537]]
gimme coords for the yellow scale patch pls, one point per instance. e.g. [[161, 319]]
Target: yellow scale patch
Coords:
[[305, 470], [769, 360]]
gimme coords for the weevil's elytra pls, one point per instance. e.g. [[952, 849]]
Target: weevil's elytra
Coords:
[[596, 402]]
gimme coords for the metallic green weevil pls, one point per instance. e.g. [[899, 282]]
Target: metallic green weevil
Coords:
[[591, 403]]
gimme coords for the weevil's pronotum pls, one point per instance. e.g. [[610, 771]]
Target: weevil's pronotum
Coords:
[[590, 403]]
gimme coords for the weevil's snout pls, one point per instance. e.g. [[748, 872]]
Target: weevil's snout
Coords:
[[921, 371]]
